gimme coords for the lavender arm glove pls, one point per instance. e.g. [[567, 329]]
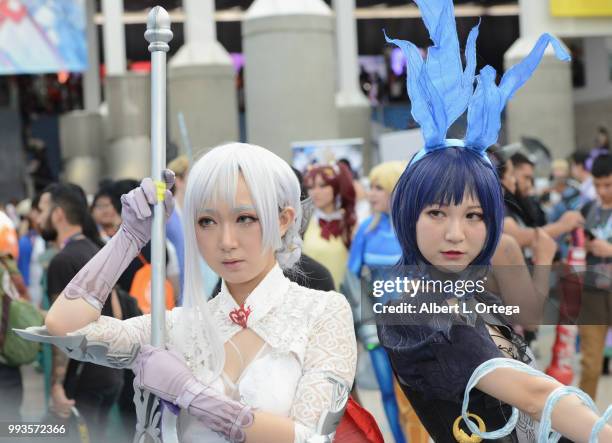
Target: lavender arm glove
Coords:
[[165, 374], [95, 280]]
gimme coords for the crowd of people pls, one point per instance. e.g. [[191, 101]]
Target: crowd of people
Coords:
[[53, 236], [269, 273]]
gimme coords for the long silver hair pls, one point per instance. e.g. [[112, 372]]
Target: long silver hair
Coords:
[[272, 186]]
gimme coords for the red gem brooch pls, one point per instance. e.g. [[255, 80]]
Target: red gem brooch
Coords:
[[240, 316]]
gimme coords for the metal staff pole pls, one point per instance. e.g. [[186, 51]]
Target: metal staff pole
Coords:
[[148, 413], [158, 35]]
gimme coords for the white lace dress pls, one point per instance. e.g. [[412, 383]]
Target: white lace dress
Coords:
[[308, 335]]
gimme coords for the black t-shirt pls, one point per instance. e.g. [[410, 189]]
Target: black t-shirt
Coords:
[[63, 267], [521, 210]]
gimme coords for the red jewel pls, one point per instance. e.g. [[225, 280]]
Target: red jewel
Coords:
[[240, 316]]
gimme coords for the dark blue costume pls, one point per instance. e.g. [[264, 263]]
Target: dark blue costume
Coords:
[[434, 356]]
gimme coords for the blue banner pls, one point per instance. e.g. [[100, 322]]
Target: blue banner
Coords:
[[42, 36]]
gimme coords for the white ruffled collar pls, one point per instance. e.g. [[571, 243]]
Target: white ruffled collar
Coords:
[[336, 215], [266, 296]]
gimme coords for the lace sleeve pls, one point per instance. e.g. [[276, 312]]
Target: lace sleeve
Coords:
[[119, 335], [331, 349]]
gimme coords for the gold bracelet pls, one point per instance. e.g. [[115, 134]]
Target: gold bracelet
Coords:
[[460, 434]]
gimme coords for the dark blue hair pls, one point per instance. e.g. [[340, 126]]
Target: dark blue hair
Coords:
[[442, 177]]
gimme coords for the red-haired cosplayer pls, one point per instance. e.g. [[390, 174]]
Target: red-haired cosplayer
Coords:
[[328, 236]]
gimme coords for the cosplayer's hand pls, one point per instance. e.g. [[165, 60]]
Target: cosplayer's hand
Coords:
[[60, 404], [137, 208], [544, 248], [572, 220], [165, 374], [162, 372]]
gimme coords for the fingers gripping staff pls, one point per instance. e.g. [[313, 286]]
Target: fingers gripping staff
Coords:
[[165, 374]]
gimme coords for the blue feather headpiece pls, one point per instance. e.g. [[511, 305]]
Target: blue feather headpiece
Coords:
[[440, 89]]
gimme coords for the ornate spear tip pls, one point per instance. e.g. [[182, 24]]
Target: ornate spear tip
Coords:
[[158, 32]]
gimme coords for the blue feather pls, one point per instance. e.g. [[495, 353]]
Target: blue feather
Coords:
[[489, 100], [441, 90]]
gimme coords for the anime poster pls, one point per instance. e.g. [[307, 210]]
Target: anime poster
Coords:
[[42, 36], [581, 8]]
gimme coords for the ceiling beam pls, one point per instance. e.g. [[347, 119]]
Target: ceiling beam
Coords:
[[375, 12]]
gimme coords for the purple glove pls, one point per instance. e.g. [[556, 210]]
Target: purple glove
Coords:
[[136, 208], [165, 374], [95, 280]]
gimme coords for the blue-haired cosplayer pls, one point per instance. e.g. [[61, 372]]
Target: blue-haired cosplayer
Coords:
[[374, 250], [447, 211]]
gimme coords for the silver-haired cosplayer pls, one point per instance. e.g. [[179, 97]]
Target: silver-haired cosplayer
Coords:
[[265, 360]]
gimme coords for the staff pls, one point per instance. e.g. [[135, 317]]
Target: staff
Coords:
[[158, 34]]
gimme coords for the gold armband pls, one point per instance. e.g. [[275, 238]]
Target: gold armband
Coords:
[[460, 434]]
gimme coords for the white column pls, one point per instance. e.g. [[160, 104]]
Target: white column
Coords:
[[352, 105], [81, 132], [290, 73], [346, 44], [114, 37], [201, 82], [532, 19], [200, 22], [543, 108], [91, 77]]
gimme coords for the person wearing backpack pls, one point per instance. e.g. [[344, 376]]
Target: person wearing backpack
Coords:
[[15, 311]]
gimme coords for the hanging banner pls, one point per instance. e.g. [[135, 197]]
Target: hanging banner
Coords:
[[581, 8], [41, 36]]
